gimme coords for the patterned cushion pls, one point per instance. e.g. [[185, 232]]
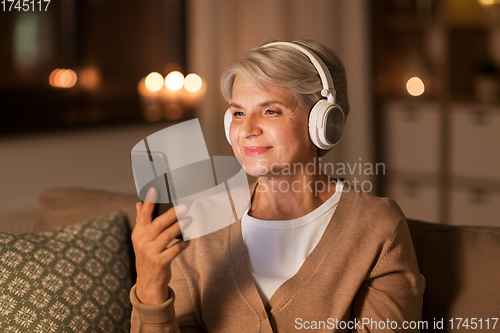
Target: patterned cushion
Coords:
[[71, 279]]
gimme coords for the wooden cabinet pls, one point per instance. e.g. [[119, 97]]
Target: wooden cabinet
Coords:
[[475, 164], [418, 197], [475, 141], [475, 204], [412, 146], [442, 147], [412, 136], [428, 172]]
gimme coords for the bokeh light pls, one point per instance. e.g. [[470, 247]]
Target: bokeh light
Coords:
[[174, 81], [68, 78], [52, 77], [415, 86], [154, 81], [173, 111], [63, 78], [192, 82], [153, 113], [89, 78], [487, 2]]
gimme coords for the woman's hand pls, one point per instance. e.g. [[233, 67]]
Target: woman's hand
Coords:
[[153, 258]]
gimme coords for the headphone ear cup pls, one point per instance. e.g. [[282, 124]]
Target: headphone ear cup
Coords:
[[228, 117], [335, 122], [326, 124]]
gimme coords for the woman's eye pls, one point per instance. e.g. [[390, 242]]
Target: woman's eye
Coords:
[[272, 112]]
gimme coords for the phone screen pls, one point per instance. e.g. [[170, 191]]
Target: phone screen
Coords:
[[142, 160]]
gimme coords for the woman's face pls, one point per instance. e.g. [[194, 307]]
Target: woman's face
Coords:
[[269, 130]]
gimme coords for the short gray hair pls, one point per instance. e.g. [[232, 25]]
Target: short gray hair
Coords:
[[288, 68]]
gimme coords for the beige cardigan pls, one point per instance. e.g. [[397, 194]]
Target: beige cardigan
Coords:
[[364, 269]]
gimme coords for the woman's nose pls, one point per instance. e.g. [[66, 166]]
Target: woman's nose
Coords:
[[249, 127]]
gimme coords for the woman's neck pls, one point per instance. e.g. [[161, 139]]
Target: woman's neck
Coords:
[[289, 197]]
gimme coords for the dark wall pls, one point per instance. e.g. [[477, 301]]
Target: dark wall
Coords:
[[122, 40]]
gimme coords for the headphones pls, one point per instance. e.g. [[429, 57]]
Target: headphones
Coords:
[[326, 119]]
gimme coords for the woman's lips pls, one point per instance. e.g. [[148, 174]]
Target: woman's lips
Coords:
[[255, 150]]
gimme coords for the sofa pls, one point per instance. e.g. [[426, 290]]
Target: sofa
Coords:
[[74, 271]]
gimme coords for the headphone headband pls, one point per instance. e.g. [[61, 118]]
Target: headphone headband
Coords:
[[328, 90]]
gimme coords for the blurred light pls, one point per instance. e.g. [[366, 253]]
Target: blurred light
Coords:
[[173, 112], [153, 112], [28, 43], [67, 79], [487, 2], [52, 77], [174, 81], [415, 86], [192, 83], [57, 78], [154, 81], [62, 78], [89, 78]]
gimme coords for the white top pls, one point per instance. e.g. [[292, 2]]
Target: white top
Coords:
[[277, 249]]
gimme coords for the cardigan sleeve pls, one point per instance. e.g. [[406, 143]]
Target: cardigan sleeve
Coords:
[[176, 315], [391, 297]]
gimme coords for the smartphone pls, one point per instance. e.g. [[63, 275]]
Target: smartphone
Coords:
[[142, 165], [183, 185]]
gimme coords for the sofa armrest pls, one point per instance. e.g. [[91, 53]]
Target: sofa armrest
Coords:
[[461, 265], [69, 205]]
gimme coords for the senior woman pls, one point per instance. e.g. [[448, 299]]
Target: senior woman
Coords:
[[299, 258]]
